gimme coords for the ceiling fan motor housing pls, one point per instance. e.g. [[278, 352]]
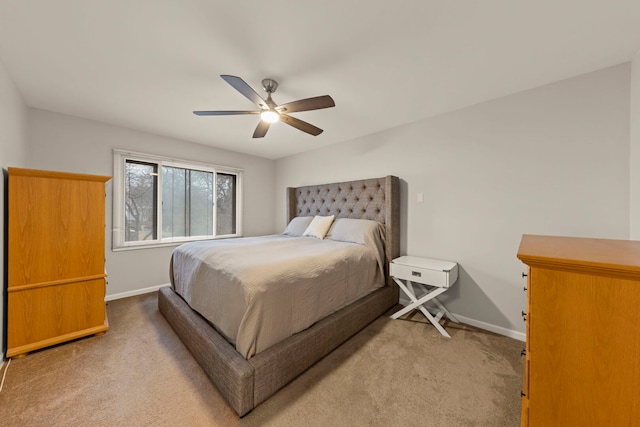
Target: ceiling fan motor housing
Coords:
[[269, 85]]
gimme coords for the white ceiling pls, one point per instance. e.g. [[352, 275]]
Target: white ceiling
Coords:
[[147, 64]]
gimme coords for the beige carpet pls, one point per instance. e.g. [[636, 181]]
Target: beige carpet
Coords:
[[392, 373]]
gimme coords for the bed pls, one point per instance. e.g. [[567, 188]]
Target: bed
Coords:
[[248, 379]]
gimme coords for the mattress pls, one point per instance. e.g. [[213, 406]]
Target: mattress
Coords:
[[257, 291]]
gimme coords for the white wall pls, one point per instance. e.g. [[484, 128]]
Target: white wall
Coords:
[[13, 141], [634, 140], [552, 160], [65, 143]]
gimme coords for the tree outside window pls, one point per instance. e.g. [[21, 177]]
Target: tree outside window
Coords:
[[141, 183]]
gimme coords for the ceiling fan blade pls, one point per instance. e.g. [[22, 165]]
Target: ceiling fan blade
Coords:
[[301, 125], [223, 113], [261, 129], [242, 87], [315, 103]]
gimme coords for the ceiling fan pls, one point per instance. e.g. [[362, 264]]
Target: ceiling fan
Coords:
[[270, 112]]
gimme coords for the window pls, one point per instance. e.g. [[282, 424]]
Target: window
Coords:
[[159, 201]]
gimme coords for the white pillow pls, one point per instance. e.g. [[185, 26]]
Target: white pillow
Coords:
[[319, 226], [297, 226]]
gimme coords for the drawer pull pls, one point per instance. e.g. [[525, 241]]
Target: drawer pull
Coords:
[[524, 316], [522, 394], [523, 352], [416, 274], [524, 274]]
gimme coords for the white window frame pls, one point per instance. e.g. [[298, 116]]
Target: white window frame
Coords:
[[120, 158]]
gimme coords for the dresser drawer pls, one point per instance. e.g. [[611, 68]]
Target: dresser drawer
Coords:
[[423, 270]]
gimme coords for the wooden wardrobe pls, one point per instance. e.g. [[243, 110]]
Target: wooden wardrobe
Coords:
[[56, 269], [582, 355]]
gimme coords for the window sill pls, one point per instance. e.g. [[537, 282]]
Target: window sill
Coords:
[[164, 245]]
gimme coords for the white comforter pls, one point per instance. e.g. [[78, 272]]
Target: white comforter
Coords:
[[257, 291]]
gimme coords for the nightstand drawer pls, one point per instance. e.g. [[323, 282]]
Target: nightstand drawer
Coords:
[[427, 271]]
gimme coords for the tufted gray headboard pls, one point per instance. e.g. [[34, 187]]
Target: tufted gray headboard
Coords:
[[377, 199]]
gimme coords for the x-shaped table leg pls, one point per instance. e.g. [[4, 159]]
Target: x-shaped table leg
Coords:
[[418, 303]]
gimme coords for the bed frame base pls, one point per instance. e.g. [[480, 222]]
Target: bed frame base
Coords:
[[247, 383]]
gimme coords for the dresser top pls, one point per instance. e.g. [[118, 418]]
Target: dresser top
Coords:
[[584, 254], [35, 173]]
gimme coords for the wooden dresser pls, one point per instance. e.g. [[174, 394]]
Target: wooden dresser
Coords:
[[582, 361], [56, 272]]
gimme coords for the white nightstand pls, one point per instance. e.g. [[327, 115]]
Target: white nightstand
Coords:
[[432, 277]]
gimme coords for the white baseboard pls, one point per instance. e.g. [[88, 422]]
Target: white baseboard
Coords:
[[135, 292], [517, 335], [520, 336]]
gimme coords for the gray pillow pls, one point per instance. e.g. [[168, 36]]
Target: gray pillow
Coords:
[[361, 231], [354, 230], [297, 226]]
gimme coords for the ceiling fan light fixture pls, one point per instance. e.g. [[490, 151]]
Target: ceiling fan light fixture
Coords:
[[269, 116]]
